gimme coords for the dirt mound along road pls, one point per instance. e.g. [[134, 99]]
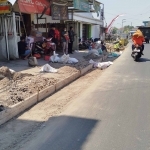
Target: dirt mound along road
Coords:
[[16, 87]]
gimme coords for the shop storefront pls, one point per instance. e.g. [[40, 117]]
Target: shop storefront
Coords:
[[17, 21]]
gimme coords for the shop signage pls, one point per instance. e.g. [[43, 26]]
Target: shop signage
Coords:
[[34, 6], [97, 8], [59, 12], [82, 5], [5, 7]]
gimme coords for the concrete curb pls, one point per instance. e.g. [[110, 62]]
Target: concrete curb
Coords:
[[18, 108], [14, 110]]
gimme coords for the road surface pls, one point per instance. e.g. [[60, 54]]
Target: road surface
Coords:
[[112, 114]]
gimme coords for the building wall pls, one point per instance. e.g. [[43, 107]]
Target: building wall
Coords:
[[95, 31]]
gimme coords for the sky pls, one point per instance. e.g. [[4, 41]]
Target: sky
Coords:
[[136, 11]]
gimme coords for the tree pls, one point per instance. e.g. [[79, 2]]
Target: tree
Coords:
[[114, 31], [127, 29]]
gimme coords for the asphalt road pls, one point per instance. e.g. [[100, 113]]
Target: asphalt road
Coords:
[[112, 114]]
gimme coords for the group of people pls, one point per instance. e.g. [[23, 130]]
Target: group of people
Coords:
[[66, 37]]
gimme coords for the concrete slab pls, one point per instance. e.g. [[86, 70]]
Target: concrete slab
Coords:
[[45, 93]]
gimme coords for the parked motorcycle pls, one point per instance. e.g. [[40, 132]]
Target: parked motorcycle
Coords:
[[136, 53], [37, 48], [146, 39], [43, 47]]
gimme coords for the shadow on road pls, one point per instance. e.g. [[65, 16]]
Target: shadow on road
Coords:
[[65, 133], [58, 133], [143, 60]]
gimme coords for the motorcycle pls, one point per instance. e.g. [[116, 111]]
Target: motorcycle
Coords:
[[43, 47], [146, 39], [136, 53]]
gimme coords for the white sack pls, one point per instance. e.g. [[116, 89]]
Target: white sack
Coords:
[[48, 68], [104, 65], [101, 65], [64, 59], [55, 58], [72, 60]]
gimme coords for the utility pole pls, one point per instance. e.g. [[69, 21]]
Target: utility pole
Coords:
[[123, 20]]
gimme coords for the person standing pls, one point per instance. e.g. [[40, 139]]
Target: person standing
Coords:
[[71, 37], [65, 41], [54, 34]]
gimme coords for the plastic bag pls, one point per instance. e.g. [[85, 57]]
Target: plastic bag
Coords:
[[54, 58], [72, 60], [100, 51], [101, 65], [94, 51], [48, 68], [95, 64], [64, 58], [104, 65], [115, 55]]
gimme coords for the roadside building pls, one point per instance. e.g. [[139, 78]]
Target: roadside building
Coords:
[[17, 17]]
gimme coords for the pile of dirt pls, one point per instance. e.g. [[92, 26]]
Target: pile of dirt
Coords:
[[21, 89], [16, 87], [5, 72], [18, 75]]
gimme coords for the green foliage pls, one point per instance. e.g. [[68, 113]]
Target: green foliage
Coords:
[[127, 29], [114, 31]]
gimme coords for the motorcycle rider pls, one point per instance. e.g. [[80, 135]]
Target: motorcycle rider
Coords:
[[138, 40]]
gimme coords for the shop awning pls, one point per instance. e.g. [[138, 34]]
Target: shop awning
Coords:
[[80, 18], [31, 6], [34, 6]]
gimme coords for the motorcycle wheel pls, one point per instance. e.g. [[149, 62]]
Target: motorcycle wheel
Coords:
[[136, 57]]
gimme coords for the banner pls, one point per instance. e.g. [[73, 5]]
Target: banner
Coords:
[[59, 12], [12, 1], [5, 7], [34, 6], [82, 5]]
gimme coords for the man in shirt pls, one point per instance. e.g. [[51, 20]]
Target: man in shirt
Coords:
[[54, 34], [23, 49], [71, 37]]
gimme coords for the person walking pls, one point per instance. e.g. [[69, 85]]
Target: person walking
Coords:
[[71, 37], [65, 41]]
